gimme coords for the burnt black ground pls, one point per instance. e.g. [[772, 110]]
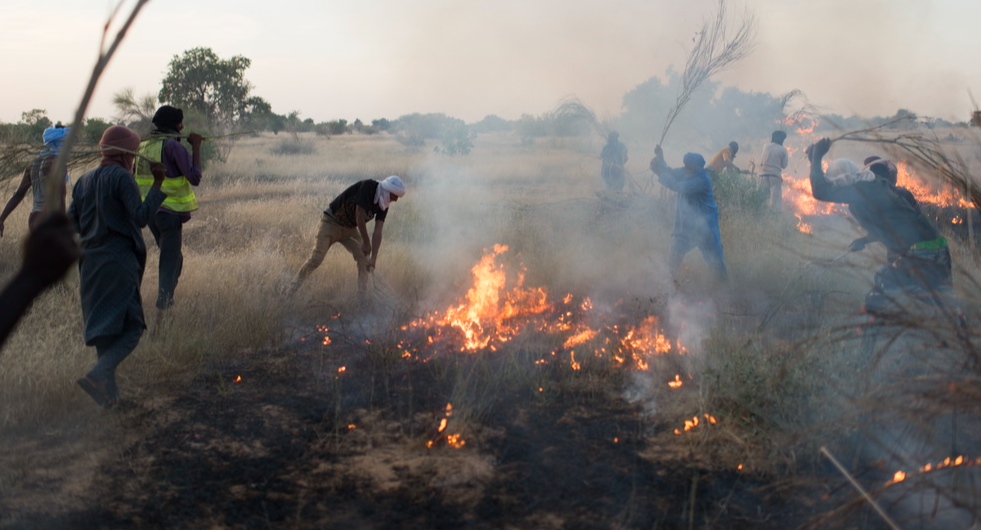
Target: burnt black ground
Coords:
[[275, 451]]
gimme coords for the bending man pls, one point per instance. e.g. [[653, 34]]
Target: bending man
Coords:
[[345, 221]]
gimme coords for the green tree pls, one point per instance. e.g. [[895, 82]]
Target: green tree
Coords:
[[35, 121], [210, 85], [92, 131], [338, 126]]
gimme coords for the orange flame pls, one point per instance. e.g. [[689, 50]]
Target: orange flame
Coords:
[[497, 309]]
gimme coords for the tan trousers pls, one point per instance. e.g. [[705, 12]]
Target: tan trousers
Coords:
[[331, 232], [776, 193]]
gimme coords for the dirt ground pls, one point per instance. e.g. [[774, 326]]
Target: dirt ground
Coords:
[[291, 445]]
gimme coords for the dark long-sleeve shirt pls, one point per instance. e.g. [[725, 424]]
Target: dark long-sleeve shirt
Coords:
[[362, 193], [107, 210], [179, 162], [696, 210], [883, 213]]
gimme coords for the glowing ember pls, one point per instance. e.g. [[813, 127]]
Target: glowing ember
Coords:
[[455, 441], [238, 379], [676, 383], [946, 463], [695, 422], [324, 330]]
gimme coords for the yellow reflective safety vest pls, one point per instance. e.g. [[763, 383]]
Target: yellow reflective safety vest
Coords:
[[180, 196]]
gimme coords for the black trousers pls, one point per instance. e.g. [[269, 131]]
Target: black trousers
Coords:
[[167, 232]]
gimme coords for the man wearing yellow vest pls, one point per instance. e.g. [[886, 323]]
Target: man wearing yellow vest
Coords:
[[183, 171]]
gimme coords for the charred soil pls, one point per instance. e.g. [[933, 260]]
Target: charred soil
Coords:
[[298, 438]]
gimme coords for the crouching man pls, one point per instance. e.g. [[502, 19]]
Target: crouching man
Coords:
[[345, 221]]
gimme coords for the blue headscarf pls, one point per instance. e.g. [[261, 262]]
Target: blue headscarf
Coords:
[[694, 159], [53, 138]]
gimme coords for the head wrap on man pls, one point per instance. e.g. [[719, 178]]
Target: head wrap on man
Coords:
[[53, 138], [120, 137], [168, 117], [883, 168], [778, 137], [386, 188], [693, 160], [844, 172]]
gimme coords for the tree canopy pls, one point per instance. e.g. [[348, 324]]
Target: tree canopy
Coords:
[[213, 87]]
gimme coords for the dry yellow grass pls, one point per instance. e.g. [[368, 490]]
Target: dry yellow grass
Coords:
[[259, 214]]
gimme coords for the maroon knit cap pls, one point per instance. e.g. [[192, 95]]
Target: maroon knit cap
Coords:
[[122, 137]]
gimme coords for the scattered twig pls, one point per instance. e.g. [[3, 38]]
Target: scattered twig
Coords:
[[859, 487], [114, 148]]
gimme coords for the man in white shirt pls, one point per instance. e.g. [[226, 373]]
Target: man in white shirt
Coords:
[[773, 163]]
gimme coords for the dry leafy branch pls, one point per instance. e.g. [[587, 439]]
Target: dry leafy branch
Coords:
[[105, 54], [924, 150], [717, 47]]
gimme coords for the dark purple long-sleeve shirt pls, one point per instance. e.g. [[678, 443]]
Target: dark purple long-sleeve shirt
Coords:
[[178, 161]]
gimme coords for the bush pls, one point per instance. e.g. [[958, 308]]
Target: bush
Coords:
[[457, 140], [740, 191], [294, 146]]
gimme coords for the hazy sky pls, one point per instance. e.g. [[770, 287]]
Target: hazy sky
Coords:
[[370, 59]]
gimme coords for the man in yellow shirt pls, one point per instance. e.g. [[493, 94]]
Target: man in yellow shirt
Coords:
[[723, 160]]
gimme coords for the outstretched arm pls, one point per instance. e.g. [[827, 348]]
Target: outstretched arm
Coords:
[[820, 187]]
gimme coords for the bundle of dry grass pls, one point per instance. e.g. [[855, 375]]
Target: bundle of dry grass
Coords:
[[572, 113], [15, 158]]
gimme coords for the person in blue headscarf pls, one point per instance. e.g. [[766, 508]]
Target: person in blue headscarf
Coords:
[[34, 177], [696, 216]]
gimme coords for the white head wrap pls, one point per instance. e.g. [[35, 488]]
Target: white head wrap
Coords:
[[844, 172], [386, 188]]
